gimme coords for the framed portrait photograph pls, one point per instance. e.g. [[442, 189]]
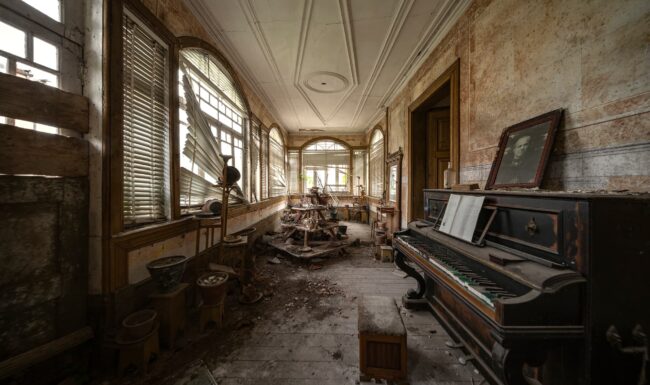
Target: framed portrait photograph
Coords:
[[523, 152]]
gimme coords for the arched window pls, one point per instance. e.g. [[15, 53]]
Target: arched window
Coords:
[[376, 164], [277, 179], [326, 164], [226, 116]]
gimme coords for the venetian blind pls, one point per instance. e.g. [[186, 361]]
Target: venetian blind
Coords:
[[145, 125], [202, 148], [376, 165], [216, 75], [293, 160], [359, 170], [256, 191], [277, 180], [265, 164]]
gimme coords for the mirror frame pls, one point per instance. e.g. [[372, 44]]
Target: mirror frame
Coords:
[[395, 159]]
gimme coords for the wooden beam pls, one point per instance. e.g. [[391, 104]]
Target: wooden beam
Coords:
[[27, 100], [31, 152], [23, 361]]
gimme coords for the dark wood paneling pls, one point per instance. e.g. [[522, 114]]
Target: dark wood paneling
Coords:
[[44, 238], [36, 153], [33, 101]]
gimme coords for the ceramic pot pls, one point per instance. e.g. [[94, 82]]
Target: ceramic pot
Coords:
[[213, 287], [167, 272], [139, 324]]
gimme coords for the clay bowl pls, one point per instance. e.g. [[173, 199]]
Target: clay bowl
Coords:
[[167, 272], [139, 324], [212, 286]]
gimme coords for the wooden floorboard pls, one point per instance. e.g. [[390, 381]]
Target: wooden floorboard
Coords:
[[296, 349]]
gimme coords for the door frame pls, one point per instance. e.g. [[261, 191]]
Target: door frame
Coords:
[[452, 77]]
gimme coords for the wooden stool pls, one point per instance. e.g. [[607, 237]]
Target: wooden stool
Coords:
[[386, 253], [233, 253], [171, 310], [138, 353], [212, 313], [382, 340]]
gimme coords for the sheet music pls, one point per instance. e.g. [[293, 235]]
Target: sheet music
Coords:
[[461, 216]]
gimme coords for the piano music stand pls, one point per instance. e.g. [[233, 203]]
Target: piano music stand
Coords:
[[480, 242]]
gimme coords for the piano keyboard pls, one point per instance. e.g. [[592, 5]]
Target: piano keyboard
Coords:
[[468, 277]]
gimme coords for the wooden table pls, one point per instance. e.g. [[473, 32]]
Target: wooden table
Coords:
[[307, 231], [390, 212]]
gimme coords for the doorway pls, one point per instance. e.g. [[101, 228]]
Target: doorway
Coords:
[[438, 145], [433, 138]]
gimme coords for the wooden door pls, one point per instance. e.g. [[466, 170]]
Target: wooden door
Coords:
[[438, 146]]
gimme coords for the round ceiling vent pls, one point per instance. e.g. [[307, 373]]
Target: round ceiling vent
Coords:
[[326, 82]]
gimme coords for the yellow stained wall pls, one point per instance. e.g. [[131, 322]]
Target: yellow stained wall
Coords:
[[519, 59]]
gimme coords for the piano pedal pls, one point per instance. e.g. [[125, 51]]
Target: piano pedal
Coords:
[[454, 345], [465, 359]]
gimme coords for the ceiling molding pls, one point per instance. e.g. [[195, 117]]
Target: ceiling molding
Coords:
[[326, 132], [346, 24], [443, 16], [344, 9], [436, 31], [399, 18], [213, 28], [304, 33], [262, 42]]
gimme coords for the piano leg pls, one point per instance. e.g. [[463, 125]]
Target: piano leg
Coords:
[[508, 365], [413, 298]]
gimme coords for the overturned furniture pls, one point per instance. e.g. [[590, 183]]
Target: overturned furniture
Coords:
[[382, 340], [308, 225]]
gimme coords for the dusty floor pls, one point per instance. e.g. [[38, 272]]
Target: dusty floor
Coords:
[[305, 330]]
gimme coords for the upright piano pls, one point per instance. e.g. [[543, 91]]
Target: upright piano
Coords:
[[557, 291]]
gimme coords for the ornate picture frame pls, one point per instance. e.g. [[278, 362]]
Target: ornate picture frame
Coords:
[[523, 152]]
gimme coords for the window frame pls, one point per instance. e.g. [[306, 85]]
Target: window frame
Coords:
[[185, 42], [114, 182], [376, 130], [62, 34], [349, 185], [275, 128]]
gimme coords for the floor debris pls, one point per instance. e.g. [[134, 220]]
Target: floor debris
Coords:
[[274, 260]]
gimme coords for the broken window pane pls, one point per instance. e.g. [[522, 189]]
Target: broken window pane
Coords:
[[46, 54], [37, 75], [13, 40], [51, 8]]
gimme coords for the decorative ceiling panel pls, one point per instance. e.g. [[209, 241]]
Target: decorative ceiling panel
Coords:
[[326, 64]]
